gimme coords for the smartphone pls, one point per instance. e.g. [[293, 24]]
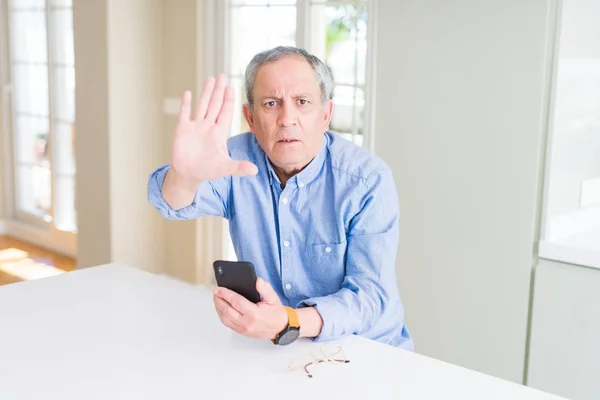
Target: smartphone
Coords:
[[238, 276]]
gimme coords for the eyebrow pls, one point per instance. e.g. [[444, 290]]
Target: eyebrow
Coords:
[[296, 96]]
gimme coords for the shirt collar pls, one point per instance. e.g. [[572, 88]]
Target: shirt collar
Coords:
[[309, 173]]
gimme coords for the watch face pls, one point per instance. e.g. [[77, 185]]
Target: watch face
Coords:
[[289, 337]]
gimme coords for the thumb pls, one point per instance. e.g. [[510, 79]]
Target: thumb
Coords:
[[267, 292], [243, 168]]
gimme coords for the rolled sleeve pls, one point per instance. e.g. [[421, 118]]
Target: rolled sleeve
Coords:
[[333, 311], [368, 302], [210, 198]]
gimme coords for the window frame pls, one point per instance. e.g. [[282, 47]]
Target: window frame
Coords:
[[19, 223]]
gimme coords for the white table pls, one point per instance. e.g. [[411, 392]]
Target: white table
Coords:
[[113, 332]]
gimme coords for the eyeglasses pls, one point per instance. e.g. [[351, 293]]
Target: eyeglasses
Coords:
[[335, 355]]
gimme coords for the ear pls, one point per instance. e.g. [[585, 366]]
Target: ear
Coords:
[[328, 111], [248, 116]]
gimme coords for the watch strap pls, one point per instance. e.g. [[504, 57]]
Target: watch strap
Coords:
[[293, 319]]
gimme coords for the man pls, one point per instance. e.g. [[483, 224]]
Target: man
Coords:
[[316, 214]]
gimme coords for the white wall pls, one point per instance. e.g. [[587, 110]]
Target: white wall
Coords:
[[565, 350], [118, 53], [181, 64], [130, 56], [136, 140], [459, 117], [92, 145]]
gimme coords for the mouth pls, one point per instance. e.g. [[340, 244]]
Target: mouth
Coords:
[[288, 141]]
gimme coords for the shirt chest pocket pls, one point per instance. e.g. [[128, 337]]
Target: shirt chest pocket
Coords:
[[327, 266]]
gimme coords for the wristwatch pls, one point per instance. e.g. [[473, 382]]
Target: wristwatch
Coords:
[[292, 331]]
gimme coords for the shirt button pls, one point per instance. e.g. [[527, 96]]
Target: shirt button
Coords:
[[328, 249], [284, 200], [301, 184], [286, 243], [288, 286]]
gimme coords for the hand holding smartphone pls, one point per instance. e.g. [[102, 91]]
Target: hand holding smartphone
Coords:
[[238, 276]]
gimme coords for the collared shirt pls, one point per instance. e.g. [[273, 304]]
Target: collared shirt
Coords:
[[327, 239]]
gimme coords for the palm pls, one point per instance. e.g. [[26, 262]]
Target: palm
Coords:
[[200, 143]]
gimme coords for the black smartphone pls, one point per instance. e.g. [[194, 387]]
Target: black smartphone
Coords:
[[238, 276]]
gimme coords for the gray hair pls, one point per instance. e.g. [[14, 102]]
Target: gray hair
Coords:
[[322, 72]]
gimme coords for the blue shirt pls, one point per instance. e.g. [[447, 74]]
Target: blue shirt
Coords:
[[328, 239]]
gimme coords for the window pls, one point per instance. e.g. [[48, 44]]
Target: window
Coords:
[[42, 107], [572, 211], [335, 31]]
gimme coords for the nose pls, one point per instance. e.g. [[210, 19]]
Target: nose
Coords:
[[288, 115]]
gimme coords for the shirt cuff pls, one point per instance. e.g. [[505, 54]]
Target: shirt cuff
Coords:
[[332, 313], [155, 197]]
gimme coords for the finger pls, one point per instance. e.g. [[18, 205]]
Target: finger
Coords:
[[232, 325], [241, 168], [239, 303], [216, 99], [227, 314], [185, 107], [267, 292], [226, 114], [204, 100]]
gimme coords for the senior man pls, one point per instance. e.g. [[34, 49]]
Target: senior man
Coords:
[[316, 214]]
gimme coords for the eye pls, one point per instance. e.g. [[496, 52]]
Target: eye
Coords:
[[303, 102], [270, 103]]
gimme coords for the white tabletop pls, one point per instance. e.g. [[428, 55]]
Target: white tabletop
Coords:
[[113, 332]]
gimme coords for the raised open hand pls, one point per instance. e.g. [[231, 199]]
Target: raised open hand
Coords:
[[200, 144]]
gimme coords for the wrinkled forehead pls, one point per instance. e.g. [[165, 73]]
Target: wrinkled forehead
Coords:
[[287, 76]]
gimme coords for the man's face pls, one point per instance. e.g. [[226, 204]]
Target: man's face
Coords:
[[289, 119]]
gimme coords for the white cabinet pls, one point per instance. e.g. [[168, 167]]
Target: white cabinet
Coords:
[[565, 336]]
